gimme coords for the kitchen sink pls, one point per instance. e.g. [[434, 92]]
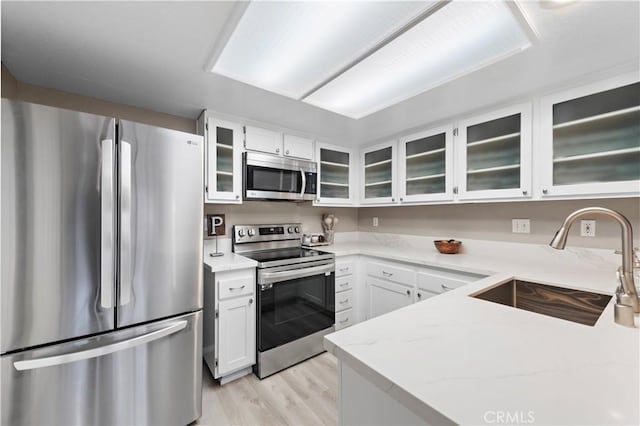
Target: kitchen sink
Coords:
[[583, 307]]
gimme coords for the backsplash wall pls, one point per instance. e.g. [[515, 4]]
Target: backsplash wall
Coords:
[[262, 212], [492, 221]]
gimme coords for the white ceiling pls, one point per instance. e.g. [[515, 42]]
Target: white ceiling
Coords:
[[154, 54]]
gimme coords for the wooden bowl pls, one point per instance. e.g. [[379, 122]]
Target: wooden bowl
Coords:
[[448, 246]]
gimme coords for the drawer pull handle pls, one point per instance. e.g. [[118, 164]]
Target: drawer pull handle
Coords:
[[445, 288], [419, 295], [342, 302], [343, 321], [344, 269], [387, 274], [237, 288], [344, 284], [408, 292]]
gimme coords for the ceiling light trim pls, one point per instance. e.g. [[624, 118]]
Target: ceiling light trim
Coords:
[[415, 21], [237, 12]]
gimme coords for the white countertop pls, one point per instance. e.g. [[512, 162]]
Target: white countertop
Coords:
[[227, 262], [463, 356]]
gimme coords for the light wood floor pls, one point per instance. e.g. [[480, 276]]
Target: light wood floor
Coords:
[[304, 394]]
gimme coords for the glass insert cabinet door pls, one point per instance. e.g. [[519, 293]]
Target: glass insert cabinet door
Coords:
[[378, 174], [591, 139], [425, 171], [495, 154], [224, 160], [335, 174]]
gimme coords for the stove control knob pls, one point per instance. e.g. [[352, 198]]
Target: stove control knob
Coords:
[[297, 229], [252, 232], [290, 230], [241, 232]]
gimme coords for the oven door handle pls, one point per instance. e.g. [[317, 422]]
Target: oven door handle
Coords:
[[272, 277]]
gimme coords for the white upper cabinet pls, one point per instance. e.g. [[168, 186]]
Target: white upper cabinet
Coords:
[[223, 159], [494, 155], [263, 140], [590, 142], [378, 177], [295, 146], [336, 175], [426, 166]]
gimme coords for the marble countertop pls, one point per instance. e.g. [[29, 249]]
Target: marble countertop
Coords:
[[467, 358], [228, 262]]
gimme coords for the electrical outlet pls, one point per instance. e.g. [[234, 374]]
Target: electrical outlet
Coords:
[[587, 228], [521, 226], [375, 221]]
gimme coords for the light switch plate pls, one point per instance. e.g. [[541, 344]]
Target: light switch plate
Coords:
[[521, 226], [375, 221], [588, 228]]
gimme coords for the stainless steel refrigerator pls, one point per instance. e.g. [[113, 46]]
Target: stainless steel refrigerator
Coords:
[[101, 267]]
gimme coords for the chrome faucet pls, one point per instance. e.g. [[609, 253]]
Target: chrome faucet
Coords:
[[627, 302]]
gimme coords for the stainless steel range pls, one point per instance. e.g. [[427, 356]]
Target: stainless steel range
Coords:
[[296, 294]]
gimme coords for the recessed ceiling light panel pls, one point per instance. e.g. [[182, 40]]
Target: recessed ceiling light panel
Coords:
[[291, 47], [459, 38]]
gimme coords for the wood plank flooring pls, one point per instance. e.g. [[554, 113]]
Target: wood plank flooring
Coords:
[[304, 394]]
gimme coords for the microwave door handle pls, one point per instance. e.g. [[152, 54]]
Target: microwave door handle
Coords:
[[304, 183]]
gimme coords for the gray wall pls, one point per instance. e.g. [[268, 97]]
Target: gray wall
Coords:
[[492, 221], [13, 89]]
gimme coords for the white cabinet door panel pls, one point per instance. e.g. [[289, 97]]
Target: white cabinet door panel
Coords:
[[295, 146], [386, 297], [236, 334], [263, 140]]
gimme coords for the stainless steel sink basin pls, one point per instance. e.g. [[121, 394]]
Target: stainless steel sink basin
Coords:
[[583, 307]]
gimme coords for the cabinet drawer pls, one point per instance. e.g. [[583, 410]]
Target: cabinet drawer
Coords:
[[390, 272], [344, 300], [344, 319], [234, 286], [439, 284], [344, 268], [344, 283]]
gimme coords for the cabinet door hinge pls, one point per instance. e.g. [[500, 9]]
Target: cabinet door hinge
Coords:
[[455, 132]]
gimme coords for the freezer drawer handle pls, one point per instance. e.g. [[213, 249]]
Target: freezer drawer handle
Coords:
[[106, 226], [107, 349]]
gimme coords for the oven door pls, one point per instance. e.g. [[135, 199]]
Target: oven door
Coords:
[[277, 178], [300, 304]]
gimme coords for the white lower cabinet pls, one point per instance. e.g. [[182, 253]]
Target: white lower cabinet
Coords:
[[393, 285], [230, 322], [344, 300], [236, 334], [386, 296]]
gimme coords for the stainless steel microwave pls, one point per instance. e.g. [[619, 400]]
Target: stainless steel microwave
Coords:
[[270, 177]]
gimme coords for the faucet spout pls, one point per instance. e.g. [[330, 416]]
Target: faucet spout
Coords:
[[559, 241]]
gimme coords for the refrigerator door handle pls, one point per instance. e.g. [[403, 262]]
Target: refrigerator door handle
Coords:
[[109, 348], [107, 207], [126, 189]]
